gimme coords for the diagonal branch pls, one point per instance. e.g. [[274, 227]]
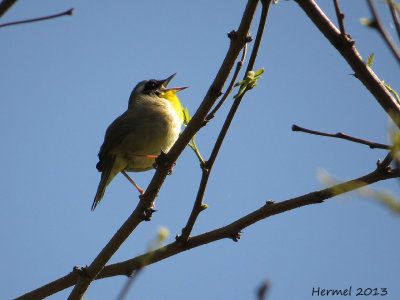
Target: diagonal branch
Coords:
[[353, 58], [198, 206], [230, 231], [376, 23], [395, 18], [341, 135], [5, 5], [65, 13], [239, 65], [143, 210], [340, 17]]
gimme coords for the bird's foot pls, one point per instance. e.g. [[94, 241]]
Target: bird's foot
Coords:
[[152, 202], [162, 159]]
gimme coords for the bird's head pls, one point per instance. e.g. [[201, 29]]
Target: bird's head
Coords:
[[154, 87]]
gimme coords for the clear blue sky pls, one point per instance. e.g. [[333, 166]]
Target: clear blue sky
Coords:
[[63, 81]]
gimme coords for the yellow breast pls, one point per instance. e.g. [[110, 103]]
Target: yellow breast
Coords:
[[170, 95]]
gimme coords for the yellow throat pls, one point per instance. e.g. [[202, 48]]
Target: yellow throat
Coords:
[[171, 96]]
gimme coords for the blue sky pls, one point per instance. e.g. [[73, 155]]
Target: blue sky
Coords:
[[64, 81]]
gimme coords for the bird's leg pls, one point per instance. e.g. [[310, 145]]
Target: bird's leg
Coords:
[[141, 191], [140, 155]]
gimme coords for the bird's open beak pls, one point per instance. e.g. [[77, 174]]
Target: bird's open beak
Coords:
[[177, 89], [165, 82]]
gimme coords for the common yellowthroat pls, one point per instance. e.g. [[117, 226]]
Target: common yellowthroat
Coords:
[[151, 124]]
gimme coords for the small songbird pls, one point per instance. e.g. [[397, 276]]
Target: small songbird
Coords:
[[151, 124]]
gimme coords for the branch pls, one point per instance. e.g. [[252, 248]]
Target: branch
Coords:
[[376, 23], [353, 58], [6, 5], [65, 13], [340, 17], [388, 159], [262, 290], [230, 231], [394, 17], [143, 210], [239, 65], [341, 135], [198, 206]]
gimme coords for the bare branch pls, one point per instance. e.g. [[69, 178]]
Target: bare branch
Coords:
[[395, 18], [229, 231], [5, 5], [65, 13], [260, 31], [376, 23], [239, 65], [341, 135], [388, 159], [353, 58], [262, 290], [132, 278], [340, 17]]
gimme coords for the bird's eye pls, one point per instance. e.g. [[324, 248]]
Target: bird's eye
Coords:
[[151, 85]]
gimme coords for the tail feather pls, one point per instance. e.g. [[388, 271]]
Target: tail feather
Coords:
[[108, 174]]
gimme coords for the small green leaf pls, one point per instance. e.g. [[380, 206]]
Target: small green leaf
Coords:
[[186, 117], [192, 145], [370, 59], [249, 82], [259, 72], [367, 22], [381, 196], [163, 234], [392, 91], [204, 206]]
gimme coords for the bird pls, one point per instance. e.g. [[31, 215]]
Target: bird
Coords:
[[150, 125]]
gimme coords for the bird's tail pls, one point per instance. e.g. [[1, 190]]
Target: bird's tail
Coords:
[[108, 174]]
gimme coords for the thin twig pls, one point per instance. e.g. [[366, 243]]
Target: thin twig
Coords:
[[263, 290], [340, 17], [5, 5], [260, 31], [341, 135], [132, 278], [230, 87], [353, 58], [376, 23], [198, 204], [388, 159], [143, 210], [65, 13], [395, 18], [229, 231]]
